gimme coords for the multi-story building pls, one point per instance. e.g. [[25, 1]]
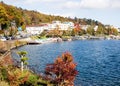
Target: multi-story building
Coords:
[[52, 26], [60, 26]]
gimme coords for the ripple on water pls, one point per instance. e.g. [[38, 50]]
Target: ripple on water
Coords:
[[98, 62]]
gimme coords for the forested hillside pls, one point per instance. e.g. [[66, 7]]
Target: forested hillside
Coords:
[[13, 15]]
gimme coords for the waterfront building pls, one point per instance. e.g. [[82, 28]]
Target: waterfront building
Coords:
[[54, 25], [60, 26], [35, 30], [95, 28]]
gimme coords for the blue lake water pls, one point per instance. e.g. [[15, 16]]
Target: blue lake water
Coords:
[[98, 61]]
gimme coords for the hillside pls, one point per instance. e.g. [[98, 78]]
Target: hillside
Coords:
[[13, 15]]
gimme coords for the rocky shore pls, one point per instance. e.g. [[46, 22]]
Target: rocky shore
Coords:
[[70, 38]]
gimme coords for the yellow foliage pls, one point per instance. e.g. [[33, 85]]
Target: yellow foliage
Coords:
[[3, 83], [17, 77]]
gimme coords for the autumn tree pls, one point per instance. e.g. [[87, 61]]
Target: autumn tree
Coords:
[[90, 30], [23, 17], [3, 17], [100, 30], [114, 31], [24, 59], [54, 33], [77, 28], [66, 33], [73, 32], [81, 32], [62, 72], [16, 77]]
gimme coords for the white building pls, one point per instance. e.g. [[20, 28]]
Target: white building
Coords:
[[61, 26], [35, 30], [95, 28], [52, 26]]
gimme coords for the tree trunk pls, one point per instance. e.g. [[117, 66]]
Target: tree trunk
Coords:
[[22, 65]]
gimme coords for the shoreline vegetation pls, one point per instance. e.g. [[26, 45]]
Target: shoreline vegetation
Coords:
[[11, 71], [36, 40], [11, 74]]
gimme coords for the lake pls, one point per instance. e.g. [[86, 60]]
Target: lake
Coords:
[[98, 61]]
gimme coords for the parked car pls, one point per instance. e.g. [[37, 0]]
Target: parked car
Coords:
[[2, 39]]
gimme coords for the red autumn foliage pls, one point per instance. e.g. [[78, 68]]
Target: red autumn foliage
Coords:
[[77, 28], [62, 71]]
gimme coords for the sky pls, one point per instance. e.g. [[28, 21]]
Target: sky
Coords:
[[105, 11]]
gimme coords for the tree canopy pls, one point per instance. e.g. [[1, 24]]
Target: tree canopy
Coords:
[[9, 13], [62, 71]]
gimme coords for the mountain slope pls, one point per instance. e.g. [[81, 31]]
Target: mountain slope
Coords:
[[19, 16]]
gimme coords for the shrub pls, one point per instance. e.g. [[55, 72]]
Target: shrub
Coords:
[[62, 71], [3, 73], [32, 79]]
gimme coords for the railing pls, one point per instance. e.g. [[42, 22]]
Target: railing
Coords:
[[8, 45], [4, 55]]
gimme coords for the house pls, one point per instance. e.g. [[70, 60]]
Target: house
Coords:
[[60, 26], [54, 25], [95, 28], [34, 30]]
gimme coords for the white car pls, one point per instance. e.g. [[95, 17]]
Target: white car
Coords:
[[2, 39]]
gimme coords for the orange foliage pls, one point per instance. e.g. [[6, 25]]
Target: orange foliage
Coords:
[[77, 28], [17, 77], [63, 70]]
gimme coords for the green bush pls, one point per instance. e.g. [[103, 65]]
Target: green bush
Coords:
[[32, 79], [3, 74]]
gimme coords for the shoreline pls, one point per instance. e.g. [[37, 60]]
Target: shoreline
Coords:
[[12, 44], [69, 38]]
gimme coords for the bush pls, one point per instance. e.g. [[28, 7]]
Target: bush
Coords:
[[62, 71], [3, 74], [32, 79]]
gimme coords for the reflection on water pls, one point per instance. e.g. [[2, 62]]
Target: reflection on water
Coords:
[[98, 61]]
